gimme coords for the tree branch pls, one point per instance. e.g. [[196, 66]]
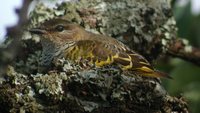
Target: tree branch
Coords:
[[180, 48], [15, 33], [141, 24]]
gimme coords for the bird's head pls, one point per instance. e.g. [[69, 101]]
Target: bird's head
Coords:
[[59, 31]]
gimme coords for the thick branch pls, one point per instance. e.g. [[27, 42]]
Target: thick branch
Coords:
[[69, 88]]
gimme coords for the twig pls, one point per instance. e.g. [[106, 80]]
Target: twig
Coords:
[[15, 32], [178, 48]]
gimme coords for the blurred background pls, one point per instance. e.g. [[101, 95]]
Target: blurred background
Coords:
[[186, 75]]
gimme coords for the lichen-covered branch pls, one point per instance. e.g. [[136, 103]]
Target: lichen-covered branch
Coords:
[[75, 90], [144, 25], [180, 48], [8, 54]]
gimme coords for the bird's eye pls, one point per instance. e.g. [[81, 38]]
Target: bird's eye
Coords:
[[60, 28]]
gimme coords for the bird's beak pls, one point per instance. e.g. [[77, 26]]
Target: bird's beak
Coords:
[[37, 31]]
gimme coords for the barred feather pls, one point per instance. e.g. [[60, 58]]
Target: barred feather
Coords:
[[98, 49], [102, 54]]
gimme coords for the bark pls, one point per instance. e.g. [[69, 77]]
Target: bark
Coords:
[[144, 25]]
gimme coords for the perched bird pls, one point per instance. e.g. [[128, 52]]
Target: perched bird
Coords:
[[63, 39]]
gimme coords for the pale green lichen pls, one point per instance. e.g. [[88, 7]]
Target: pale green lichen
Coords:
[[93, 88], [169, 30], [30, 91], [185, 42], [27, 36], [40, 14], [167, 35], [147, 20], [164, 42], [49, 84], [89, 106], [31, 63], [188, 49], [17, 78]]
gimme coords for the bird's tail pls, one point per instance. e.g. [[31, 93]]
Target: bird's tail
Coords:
[[161, 74], [154, 73]]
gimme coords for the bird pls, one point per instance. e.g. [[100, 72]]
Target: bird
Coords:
[[64, 39]]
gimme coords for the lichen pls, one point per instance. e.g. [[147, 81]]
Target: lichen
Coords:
[[188, 49], [135, 23], [16, 78], [49, 84], [67, 87]]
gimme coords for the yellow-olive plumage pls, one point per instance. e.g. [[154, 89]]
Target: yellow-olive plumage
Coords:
[[61, 38]]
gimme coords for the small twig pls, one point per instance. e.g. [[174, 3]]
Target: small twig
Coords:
[[184, 51], [8, 54]]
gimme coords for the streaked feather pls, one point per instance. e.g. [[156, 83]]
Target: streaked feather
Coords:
[[75, 43], [101, 54]]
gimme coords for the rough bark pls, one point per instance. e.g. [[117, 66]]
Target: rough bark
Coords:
[[144, 25]]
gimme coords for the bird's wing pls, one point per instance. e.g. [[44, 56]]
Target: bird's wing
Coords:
[[101, 54]]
